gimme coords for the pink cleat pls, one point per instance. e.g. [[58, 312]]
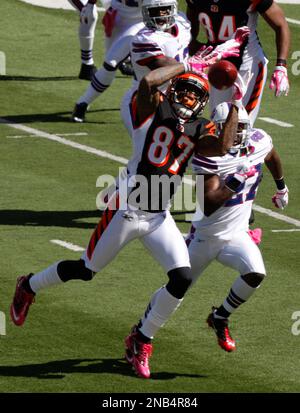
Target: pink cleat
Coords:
[[138, 354], [256, 235], [21, 302], [220, 327]]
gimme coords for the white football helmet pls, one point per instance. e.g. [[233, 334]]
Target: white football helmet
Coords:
[[219, 116], [159, 14]]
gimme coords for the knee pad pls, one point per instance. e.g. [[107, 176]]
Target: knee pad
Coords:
[[180, 280], [253, 279], [74, 270]]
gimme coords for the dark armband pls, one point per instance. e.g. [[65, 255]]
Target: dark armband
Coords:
[[280, 184], [281, 62]]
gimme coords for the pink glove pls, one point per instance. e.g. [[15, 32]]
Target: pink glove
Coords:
[[246, 169], [281, 198], [108, 21], [280, 81], [235, 182], [255, 234], [206, 56], [241, 34], [197, 62], [231, 48]]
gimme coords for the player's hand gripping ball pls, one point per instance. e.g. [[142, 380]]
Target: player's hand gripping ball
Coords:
[[222, 74]]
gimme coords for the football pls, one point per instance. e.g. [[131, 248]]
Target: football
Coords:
[[222, 75]]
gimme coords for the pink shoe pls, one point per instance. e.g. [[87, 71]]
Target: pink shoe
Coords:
[[256, 235], [220, 327], [21, 302], [138, 354]]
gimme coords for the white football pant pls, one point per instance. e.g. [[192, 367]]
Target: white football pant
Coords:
[[157, 231], [240, 254]]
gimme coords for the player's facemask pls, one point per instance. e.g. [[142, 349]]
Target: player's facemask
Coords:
[[159, 14], [219, 116], [188, 95]]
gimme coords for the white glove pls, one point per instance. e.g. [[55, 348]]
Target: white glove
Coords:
[[246, 169], [89, 14], [280, 81], [236, 181], [281, 198]]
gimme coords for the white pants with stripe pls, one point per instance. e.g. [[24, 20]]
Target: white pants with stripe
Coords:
[[240, 254], [253, 96], [118, 45], [157, 231]]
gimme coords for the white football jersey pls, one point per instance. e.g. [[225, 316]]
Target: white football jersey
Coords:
[[234, 215], [150, 44], [128, 9]]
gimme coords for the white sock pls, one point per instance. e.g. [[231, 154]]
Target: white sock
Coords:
[[160, 308], [86, 35], [45, 278], [101, 81], [240, 292]]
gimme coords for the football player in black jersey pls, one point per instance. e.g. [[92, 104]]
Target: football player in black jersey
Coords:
[[166, 132], [220, 18]]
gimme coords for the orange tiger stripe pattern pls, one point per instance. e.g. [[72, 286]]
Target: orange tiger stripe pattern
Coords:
[[259, 83], [106, 218]]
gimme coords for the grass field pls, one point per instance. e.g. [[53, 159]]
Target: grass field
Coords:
[[73, 338]]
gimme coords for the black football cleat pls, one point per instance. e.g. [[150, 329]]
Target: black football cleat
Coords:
[[79, 112], [87, 71]]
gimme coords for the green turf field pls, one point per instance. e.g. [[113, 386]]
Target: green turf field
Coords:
[[73, 338]]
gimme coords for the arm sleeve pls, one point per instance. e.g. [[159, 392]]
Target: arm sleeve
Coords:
[[145, 49], [202, 165]]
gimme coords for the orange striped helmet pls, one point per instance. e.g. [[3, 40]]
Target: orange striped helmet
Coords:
[[188, 84]]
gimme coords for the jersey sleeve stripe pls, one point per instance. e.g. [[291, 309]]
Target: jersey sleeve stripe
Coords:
[[143, 45], [204, 164], [146, 49], [147, 60], [203, 158], [255, 95]]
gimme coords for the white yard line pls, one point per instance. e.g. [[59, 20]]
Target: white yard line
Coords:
[[58, 134], [55, 4], [285, 230], [73, 134], [276, 215], [68, 245], [55, 138], [288, 1], [293, 21], [124, 161], [276, 122]]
